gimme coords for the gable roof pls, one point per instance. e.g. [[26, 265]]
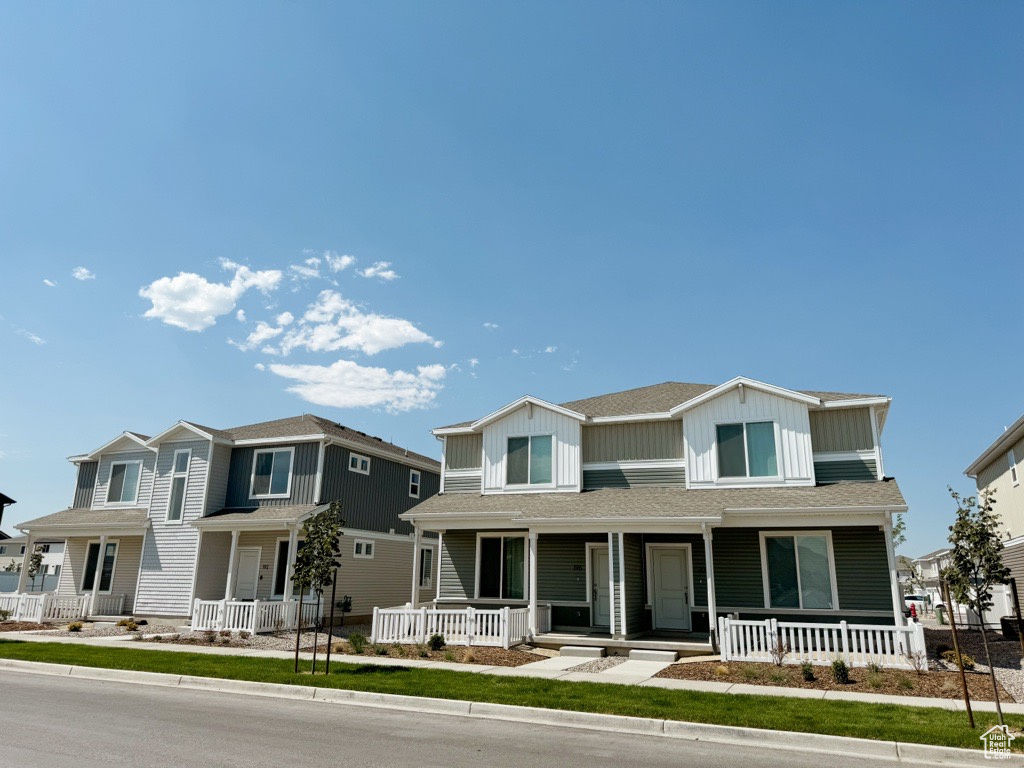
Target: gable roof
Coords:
[[999, 446], [933, 555]]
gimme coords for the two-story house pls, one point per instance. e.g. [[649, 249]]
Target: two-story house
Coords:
[[637, 517], [196, 513]]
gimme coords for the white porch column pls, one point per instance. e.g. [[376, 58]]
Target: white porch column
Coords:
[[894, 582], [611, 583], [99, 571], [228, 587], [533, 583], [416, 538], [709, 569], [23, 574], [293, 549], [622, 582], [440, 553]]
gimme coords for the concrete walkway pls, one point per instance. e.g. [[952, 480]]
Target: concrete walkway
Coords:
[[630, 672]]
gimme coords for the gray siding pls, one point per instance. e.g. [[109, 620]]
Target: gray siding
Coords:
[[846, 429], [303, 477], [84, 484], [385, 580], [636, 615], [212, 571], [148, 459], [464, 451], [632, 477], [737, 554], [220, 469], [854, 469], [562, 566], [373, 502], [458, 565], [471, 484], [633, 442]]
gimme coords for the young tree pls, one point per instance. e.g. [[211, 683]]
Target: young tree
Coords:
[[315, 564], [13, 567], [35, 564], [976, 562]]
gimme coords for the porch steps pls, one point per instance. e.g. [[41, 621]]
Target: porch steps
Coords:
[[582, 651], [641, 654]]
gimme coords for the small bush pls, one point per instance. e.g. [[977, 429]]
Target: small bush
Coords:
[[721, 670], [874, 679], [905, 683], [399, 649], [380, 649], [5, 615], [778, 677], [226, 640], [807, 671], [125, 622], [449, 655], [244, 635], [873, 667], [421, 650], [840, 672], [225, 633], [941, 648], [436, 642], [338, 647], [750, 672], [950, 656], [358, 643], [75, 626], [209, 635], [468, 657]]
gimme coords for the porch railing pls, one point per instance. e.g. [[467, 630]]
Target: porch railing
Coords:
[[36, 607], [499, 627], [255, 616], [108, 605], [796, 642]]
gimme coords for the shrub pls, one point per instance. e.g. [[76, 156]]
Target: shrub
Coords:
[[807, 671], [750, 672], [244, 635], [778, 676], [436, 642], [338, 647], [779, 652], [468, 657], [358, 642], [967, 661], [380, 649], [225, 633], [840, 672], [75, 626], [125, 622], [721, 670], [399, 649], [905, 683], [873, 667], [226, 639], [941, 648], [449, 655], [209, 635], [5, 615], [422, 651], [874, 679]]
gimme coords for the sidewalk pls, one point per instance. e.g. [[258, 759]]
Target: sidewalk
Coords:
[[630, 672]]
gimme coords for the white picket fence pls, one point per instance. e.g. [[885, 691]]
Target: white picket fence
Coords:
[[499, 627], [856, 644], [254, 616], [45, 607]]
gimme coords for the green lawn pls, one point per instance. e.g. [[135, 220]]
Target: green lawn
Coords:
[[870, 721]]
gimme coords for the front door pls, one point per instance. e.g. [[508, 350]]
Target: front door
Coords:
[[671, 587], [600, 613], [247, 570]]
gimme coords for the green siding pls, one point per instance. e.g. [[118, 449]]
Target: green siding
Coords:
[[637, 441], [562, 566], [462, 484], [862, 569], [85, 483], [633, 477], [303, 482], [846, 429], [737, 553], [636, 619], [458, 565], [834, 471], [464, 451]]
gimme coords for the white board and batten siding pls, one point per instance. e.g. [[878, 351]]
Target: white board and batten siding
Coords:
[[148, 459], [169, 553], [534, 420], [792, 436]]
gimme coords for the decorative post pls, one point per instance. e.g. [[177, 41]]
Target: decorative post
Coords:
[[229, 585], [29, 544], [293, 546], [97, 574], [416, 567], [533, 584], [709, 568]]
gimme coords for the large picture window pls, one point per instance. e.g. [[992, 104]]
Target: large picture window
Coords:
[[502, 571], [272, 472], [179, 476], [747, 450], [105, 567], [124, 482], [799, 570], [529, 460]]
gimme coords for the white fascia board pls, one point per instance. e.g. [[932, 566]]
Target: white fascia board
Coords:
[[632, 417], [636, 464], [857, 402], [156, 440], [1001, 444], [280, 440], [79, 458], [77, 529], [123, 436], [851, 509], [443, 431], [616, 523], [504, 411], [770, 389]]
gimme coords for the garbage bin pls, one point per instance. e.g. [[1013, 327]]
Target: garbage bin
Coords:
[[940, 614], [1009, 627]]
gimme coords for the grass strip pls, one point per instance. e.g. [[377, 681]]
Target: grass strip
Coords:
[[888, 722]]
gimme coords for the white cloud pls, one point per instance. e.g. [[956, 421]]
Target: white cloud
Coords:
[[262, 333], [473, 362], [338, 263], [37, 340], [345, 384], [550, 350], [240, 315], [285, 318], [49, 283], [260, 367], [306, 271], [490, 326], [192, 302], [381, 269], [81, 273]]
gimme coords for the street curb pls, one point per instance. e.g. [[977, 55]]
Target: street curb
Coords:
[[724, 734]]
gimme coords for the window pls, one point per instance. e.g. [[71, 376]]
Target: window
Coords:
[[124, 482], [502, 567], [105, 568], [179, 476], [56, 570], [528, 460], [414, 483], [426, 567], [747, 450], [281, 565], [798, 570], [1012, 458], [43, 548], [272, 472], [22, 551], [3, 550], [363, 548], [359, 463]]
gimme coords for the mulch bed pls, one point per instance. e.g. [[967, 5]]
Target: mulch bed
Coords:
[[491, 657], [937, 684], [24, 626]]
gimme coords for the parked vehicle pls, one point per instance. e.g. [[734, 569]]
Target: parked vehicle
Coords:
[[918, 601]]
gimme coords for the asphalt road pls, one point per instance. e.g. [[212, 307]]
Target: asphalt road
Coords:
[[54, 721]]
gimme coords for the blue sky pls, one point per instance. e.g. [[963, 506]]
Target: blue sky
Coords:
[[561, 199]]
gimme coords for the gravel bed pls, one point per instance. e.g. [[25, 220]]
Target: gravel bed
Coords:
[[88, 631], [1006, 656], [283, 642], [598, 665]]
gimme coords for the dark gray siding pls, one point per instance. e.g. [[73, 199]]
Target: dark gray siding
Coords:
[[458, 565], [464, 451], [633, 441], [303, 477], [636, 615], [462, 484], [862, 569], [84, 484], [845, 429], [834, 471], [562, 566], [737, 553], [633, 478], [373, 502]]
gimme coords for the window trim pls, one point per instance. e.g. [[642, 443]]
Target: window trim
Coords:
[[827, 534], [748, 478], [418, 483], [291, 471], [138, 485], [363, 555], [529, 461], [501, 573], [360, 457], [99, 567], [170, 488], [1011, 457]]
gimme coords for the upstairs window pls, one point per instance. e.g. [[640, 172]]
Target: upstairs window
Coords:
[[272, 473], [747, 450], [179, 476], [798, 570], [502, 571], [529, 460], [124, 482], [359, 463], [414, 483], [1012, 458]]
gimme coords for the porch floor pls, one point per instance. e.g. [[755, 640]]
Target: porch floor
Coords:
[[683, 643]]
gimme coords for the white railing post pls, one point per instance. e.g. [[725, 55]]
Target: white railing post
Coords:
[[725, 638], [470, 625], [505, 627], [375, 627], [222, 609], [254, 620], [846, 641], [422, 625]]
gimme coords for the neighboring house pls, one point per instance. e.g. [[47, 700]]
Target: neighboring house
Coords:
[[210, 514], [5, 501], [930, 568], [906, 572], [13, 551], [636, 518]]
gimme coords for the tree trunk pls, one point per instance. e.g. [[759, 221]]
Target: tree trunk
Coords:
[[988, 660], [316, 634], [330, 625], [298, 631]]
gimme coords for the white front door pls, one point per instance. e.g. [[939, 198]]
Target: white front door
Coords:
[[600, 612], [671, 586], [247, 573]]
